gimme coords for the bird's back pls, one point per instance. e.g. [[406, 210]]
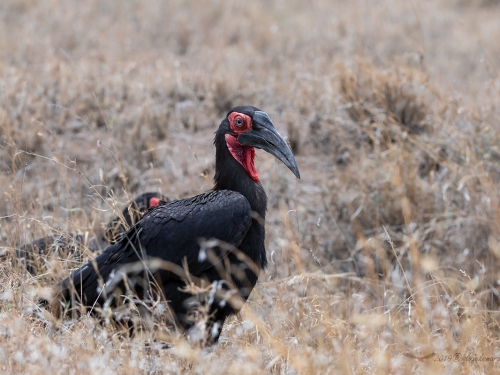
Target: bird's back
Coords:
[[170, 235]]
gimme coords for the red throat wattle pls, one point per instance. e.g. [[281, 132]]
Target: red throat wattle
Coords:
[[154, 202], [245, 155]]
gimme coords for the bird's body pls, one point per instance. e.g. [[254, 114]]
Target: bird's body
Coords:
[[70, 244], [167, 249]]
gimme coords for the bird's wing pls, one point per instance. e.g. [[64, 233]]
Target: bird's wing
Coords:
[[172, 233]]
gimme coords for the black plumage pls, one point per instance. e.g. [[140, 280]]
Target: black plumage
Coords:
[[29, 255], [152, 257], [131, 215]]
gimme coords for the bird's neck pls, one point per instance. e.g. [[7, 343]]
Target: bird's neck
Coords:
[[230, 175]]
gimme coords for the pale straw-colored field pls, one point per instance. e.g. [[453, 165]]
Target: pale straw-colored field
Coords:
[[386, 251]]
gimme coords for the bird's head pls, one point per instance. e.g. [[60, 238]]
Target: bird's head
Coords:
[[246, 127], [132, 214]]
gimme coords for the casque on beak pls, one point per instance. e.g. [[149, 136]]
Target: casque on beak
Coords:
[[265, 136]]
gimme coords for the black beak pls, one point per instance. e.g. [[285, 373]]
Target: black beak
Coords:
[[264, 136]]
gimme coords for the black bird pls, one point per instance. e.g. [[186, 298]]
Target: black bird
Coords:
[[131, 215], [29, 254], [166, 248]]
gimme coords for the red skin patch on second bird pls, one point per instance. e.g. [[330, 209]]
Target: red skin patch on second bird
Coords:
[[245, 155], [154, 202]]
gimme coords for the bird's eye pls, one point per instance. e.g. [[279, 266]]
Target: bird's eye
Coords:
[[239, 122]]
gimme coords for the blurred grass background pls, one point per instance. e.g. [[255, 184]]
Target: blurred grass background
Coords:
[[388, 247]]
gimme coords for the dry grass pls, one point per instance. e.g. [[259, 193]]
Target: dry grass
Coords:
[[386, 250]]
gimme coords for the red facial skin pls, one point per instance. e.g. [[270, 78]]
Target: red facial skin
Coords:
[[239, 122], [245, 155], [154, 202]]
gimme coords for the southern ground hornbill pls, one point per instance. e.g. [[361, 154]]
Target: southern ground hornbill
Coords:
[[214, 241], [30, 255]]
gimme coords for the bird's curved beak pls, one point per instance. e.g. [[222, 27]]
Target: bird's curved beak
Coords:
[[264, 136]]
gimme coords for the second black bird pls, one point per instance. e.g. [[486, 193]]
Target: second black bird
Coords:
[[33, 255]]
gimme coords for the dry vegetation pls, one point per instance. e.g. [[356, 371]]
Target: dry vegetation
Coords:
[[387, 249]]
